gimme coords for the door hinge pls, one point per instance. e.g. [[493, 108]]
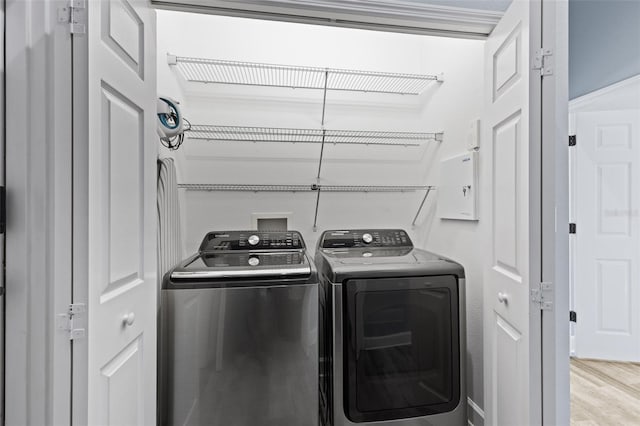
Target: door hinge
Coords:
[[68, 321], [74, 15], [573, 140], [541, 296], [573, 317], [541, 62], [572, 228]]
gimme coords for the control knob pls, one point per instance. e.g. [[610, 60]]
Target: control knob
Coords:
[[253, 240], [367, 238], [254, 261]]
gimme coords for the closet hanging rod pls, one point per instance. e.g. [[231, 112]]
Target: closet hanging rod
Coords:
[[290, 135], [217, 71], [302, 188]]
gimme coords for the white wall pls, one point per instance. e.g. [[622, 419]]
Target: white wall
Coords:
[[447, 107]]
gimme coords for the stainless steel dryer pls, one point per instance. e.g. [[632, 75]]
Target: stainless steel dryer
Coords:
[[393, 346], [239, 333]]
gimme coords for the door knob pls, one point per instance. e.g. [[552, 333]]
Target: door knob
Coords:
[[503, 298], [129, 318]]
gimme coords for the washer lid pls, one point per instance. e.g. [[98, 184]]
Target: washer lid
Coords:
[[244, 265]]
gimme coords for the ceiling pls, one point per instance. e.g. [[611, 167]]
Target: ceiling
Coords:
[[451, 18]]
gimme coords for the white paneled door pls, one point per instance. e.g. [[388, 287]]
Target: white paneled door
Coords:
[[607, 245], [511, 322], [115, 154]]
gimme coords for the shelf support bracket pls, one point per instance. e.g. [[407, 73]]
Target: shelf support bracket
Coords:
[[324, 95], [421, 206], [315, 219], [324, 132]]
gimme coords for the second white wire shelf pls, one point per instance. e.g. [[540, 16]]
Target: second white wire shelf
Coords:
[[260, 74], [318, 189], [302, 188], [276, 134]]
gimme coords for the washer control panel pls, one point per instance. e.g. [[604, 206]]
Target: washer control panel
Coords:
[[360, 238], [252, 259], [252, 240]]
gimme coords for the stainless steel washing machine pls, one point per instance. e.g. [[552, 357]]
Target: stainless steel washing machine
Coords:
[[393, 341], [239, 334]]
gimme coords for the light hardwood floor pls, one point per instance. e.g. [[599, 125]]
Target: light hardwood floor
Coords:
[[604, 393]]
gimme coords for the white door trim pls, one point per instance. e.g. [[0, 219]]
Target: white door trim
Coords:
[[555, 215], [388, 15], [80, 383], [38, 159], [2, 237]]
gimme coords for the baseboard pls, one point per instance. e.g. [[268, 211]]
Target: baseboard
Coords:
[[475, 414]]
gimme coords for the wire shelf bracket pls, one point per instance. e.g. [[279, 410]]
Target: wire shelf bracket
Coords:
[[299, 77], [426, 195]]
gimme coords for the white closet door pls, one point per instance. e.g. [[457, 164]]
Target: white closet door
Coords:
[[607, 283], [511, 322], [115, 167]]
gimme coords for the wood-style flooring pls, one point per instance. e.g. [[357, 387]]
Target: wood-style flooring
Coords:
[[604, 393]]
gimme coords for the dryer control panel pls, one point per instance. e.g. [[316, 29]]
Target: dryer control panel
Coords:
[[252, 240], [361, 238]]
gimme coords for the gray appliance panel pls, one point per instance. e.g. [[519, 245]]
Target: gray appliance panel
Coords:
[[457, 417], [338, 267], [240, 356]]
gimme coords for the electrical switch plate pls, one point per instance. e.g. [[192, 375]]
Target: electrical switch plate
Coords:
[[473, 136], [458, 188]]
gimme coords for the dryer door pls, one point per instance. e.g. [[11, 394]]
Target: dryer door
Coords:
[[402, 349]]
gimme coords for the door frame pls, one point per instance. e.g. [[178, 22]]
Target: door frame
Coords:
[[555, 214], [40, 205], [2, 236], [38, 237]]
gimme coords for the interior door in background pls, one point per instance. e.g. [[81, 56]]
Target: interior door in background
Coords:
[[607, 241], [115, 173], [512, 333]]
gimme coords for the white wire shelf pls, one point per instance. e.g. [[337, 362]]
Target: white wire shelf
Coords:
[[259, 74], [275, 134], [318, 189], [301, 188]]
